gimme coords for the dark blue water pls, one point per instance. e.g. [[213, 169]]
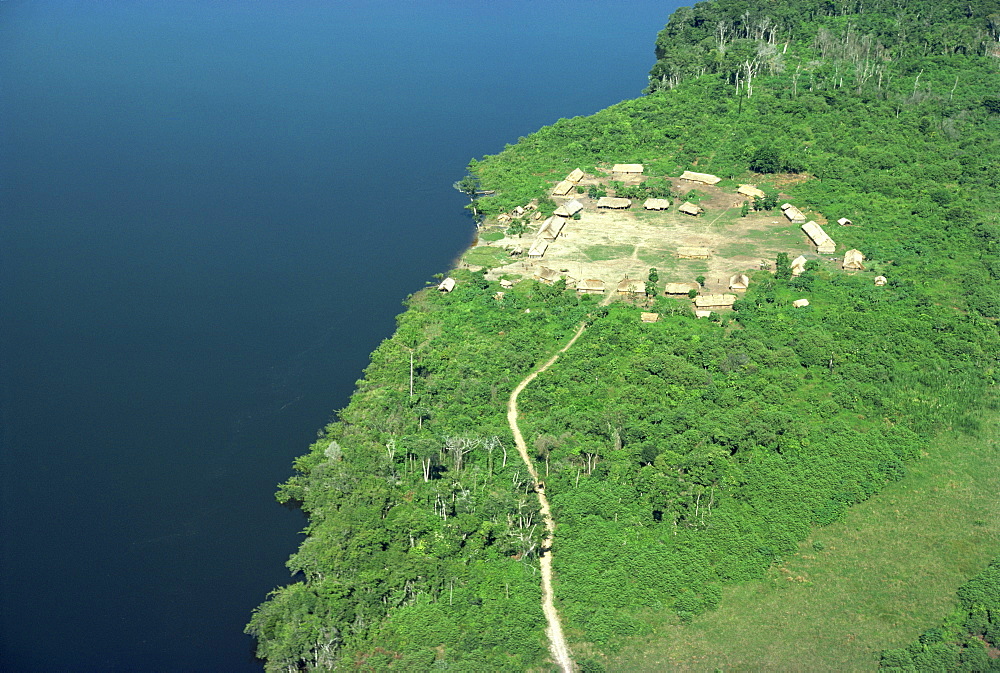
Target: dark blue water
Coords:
[[209, 214]]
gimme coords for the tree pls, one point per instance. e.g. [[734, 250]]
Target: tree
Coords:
[[766, 159], [783, 268], [653, 275]]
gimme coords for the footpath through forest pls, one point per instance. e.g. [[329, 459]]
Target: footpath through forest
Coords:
[[557, 644]]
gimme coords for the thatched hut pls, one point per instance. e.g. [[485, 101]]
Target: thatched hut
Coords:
[[447, 285], [820, 238], [800, 303], [547, 275], [656, 204], [551, 227], [627, 169], [751, 191], [703, 178], [844, 222], [685, 252], [853, 261], [715, 300], [563, 188], [739, 282], [649, 317], [590, 286], [689, 208], [702, 313], [631, 286], [506, 283], [799, 265], [613, 202], [880, 281], [575, 176], [793, 214], [538, 248], [680, 288], [569, 209]]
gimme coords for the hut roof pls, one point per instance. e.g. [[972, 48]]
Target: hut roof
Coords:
[[575, 176], [684, 251], [569, 209], [798, 265], [690, 209], [854, 260], [627, 168], [632, 285], [538, 248], [656, 204], [786, 206], [590, 285], [613, 202], [518, 211], [547, 275], [751, 191], [844, 222], [702, 314], [679, 288], [799, 303], [819, 237], [714, 300], [794, 214], [447, 285], [649, 317], [881, 280], [563, 188], [705, 178], [506, 284], [739, 281], [551, 227]]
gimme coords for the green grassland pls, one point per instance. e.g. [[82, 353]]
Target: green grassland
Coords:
[[873, 581]]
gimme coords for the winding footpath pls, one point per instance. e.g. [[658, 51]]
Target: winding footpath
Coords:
[[557, 644]]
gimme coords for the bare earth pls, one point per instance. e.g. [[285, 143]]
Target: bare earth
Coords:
[[611, 245]]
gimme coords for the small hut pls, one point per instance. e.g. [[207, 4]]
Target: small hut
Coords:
[[575, 176], [590, 286], [793, 214], [739, 282], [702, 313], [693, 253], [569, 209], [854, 260], [800, 303], [680, 288], [506, 284], [715, 300], [751, 191], [538, 248], [551, 227], [689, 208], [613, 202], [563, 188], [447, 285], [649, 317], [844, 222], [627, 169], [799, 265], [880, 281], [547, 275], [631, 286], [703, 178], [656, 204], [820, 238], [519, 211]]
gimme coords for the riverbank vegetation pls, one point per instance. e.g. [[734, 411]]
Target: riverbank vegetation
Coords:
[[686, 455]]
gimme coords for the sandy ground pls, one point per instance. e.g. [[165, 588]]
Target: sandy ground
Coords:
[[612, 245]]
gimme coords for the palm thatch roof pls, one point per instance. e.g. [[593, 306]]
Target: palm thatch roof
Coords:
[[551, 227], [613, 202], [590, 286], [715, 300], [844, 222], [649, 317], [563, 188], [680, 288], [656, 204], [751, 191], [799, 265], [627, 168], [685, 252], [739, 281], [800, 303], [569, 209], [538, 248], [447, 285], [690, 209], [881, 280], [854, 260], [793, 214], [820, 238], [575, 176], [631, 286], [704, 178]]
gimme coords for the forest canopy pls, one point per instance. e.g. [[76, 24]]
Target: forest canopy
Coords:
[[685, 454]]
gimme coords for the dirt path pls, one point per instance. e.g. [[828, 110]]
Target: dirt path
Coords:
[[557, 644]]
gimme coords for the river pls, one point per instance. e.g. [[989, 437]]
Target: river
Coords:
[[210, 212]]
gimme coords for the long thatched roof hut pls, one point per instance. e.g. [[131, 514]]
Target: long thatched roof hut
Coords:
[[689, 208], [688, 252], [820, 238], [569, 209], [715, 300], [538, 248], [793, 214], [613, 202], [551, 227], [751, 191], [704, 178], [590, 286], [563, 188], [680, 288], [631, 286], [656, 204], [575, 176], [627, 169]]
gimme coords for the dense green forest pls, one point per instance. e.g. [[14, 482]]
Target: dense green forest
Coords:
[[685, 454]]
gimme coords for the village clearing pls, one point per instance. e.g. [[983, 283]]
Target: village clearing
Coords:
[[610, 245]]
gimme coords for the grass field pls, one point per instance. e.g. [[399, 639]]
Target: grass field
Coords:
[[877, 580], [486, 256]]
